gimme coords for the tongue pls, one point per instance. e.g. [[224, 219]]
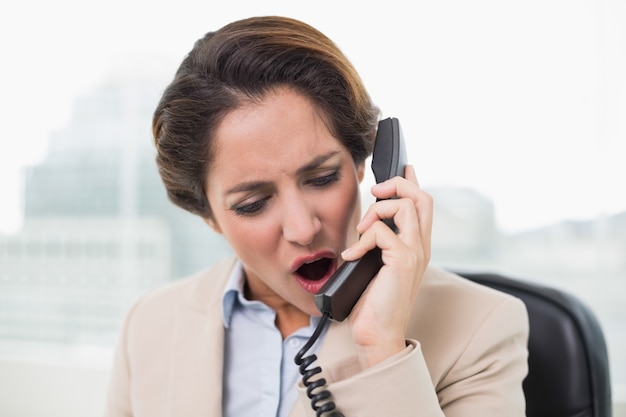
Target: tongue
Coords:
[[315, 270]]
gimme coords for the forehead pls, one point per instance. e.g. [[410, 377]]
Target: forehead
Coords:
[[280, 132]]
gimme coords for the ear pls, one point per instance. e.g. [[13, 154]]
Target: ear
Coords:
[[360, 171], [212, 224]]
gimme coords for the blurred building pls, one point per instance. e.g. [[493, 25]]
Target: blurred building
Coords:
[[464, 227], [98, 229]]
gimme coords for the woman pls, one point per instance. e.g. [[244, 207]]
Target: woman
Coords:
[[263, 133]]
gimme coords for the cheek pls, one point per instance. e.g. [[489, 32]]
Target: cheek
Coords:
[[250, 238], [246, 236], [345, 213]]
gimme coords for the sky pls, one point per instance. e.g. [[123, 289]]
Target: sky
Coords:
[[525, 102]]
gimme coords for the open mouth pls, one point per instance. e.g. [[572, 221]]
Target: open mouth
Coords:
[[314, 274], [316, 270]]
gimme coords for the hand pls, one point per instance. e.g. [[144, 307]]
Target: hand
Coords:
[[379, 319]]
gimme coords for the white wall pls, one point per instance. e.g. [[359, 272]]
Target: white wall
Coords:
[[36, 390], [53, 380]]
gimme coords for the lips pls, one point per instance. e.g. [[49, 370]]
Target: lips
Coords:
[[312, 271]]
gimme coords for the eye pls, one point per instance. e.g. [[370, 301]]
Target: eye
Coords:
[[250, 209], [324, 180]]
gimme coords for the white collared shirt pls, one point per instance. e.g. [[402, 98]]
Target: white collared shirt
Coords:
[[260, 374]]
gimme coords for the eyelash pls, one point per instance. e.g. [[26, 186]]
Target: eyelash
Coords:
[[257, 206], [250, 209], [324, 181]]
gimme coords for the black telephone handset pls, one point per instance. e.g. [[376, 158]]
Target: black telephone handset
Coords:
[[341, 292]]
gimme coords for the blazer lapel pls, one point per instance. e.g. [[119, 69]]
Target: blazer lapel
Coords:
[[198, 343], [197, 365]]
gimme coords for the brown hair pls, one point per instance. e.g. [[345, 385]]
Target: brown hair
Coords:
[[243, 61]]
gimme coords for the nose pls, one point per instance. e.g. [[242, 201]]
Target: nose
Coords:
[[300, 222]]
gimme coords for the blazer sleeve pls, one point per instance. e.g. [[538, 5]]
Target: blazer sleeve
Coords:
[[118, 394], [399, 386], [485, 380]]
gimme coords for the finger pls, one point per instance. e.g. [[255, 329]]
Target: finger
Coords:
[[425, 209], [409, 188], [401, 211], [377, 235], [409, 174], [396, 187]]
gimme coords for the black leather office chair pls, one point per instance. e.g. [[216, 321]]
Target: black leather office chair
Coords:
[[568, 361]]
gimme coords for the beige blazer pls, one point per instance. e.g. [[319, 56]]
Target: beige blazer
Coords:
[[466, 355]]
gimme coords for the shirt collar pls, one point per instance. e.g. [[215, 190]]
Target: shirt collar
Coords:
[[233, 290]]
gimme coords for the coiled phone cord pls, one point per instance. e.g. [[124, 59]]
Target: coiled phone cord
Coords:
[[303, 363]]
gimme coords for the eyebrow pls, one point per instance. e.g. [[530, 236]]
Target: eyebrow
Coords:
[[316, 162], [253, 185]]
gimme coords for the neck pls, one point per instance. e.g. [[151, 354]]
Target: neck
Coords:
[[289, 318], [288, 322]]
